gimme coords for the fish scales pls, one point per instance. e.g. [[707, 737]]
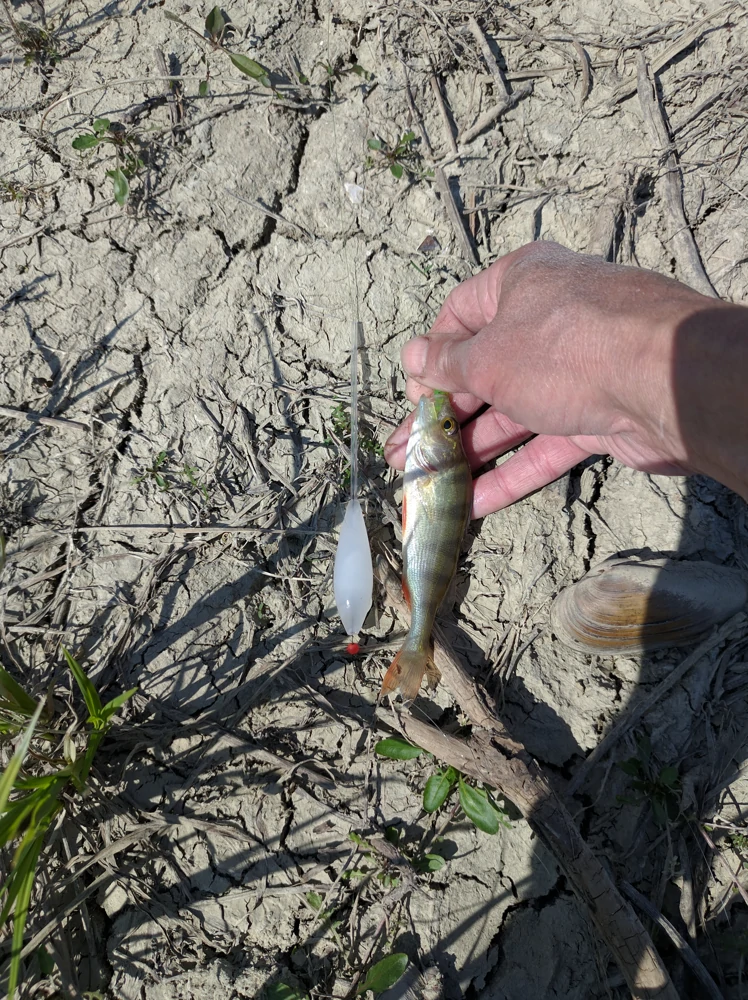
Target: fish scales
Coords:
[[436, 508]]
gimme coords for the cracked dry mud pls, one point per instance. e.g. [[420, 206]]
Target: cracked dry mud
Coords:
[[209, 319]]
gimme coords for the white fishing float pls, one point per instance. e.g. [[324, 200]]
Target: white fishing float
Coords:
[[353, 576]]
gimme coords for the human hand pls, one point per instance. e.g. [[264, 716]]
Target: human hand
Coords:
[[573, 356]]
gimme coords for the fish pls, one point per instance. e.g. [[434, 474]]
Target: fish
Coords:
[[437, 497]]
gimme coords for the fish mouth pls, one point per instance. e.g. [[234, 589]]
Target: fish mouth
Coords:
[[425, 413]]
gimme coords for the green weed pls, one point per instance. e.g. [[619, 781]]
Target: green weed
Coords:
[[218, 30], [402, 158], [477, 803], [166, 479], [32, 796], [126, 146], [340, 419], [659, 786]]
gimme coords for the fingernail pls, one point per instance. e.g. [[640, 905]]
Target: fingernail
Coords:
[[413, 356]]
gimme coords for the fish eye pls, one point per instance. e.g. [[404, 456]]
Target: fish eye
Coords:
[[448, 424]]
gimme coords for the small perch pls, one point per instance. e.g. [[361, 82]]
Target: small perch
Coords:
[[494, 757]]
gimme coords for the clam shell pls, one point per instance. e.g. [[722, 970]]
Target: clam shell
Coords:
[[633, 606]]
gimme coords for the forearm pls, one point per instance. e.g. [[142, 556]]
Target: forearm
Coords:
[[709, 379]]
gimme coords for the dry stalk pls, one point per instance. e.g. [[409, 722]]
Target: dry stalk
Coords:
[[494, 757], [682, 238], [442, 184]]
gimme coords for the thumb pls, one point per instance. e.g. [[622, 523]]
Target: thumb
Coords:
[[441, 361]]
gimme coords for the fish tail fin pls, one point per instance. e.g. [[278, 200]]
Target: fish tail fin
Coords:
[[406, 673]]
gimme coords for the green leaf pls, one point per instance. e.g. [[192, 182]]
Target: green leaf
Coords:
[[669, 777], [314, 899], [397, 749], [477, 808], [202, 89], [392, 834], [121, 185], [25, 876], [396, 169], [249, 67], [111, 706], [437, 789], [429, 863], [101, 125], [13, 692], [384, 974], [279, 991], [85, 141], [407, 138], [632, 767], [358, 839], [89, 692], [215, 23], [46, 962], [374, 143], [14, 764]]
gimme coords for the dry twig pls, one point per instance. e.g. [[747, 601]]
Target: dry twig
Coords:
[[682, 238]]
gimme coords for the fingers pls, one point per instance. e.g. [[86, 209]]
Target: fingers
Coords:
[[535, 465], [489, 435]]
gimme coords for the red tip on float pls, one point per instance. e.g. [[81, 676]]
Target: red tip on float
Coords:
[[353, 648]]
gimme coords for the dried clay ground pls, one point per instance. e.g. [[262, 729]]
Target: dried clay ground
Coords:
[[208, 318]]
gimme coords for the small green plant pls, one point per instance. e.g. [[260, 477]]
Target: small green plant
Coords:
[[166, 479], [154, 472], [31, 798], [477, 803], [39, 45], [217, 30], [401, 158], [660, 786], [126, 146], [340, 419], [191, 473]]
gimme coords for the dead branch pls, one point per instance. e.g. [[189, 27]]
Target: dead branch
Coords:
[[493, 67], [442, 183], [682, 238], [494, 757], [689, 36], [687, 953], [494, 113]]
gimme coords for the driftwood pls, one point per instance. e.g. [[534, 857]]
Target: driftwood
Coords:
[[491, 755]]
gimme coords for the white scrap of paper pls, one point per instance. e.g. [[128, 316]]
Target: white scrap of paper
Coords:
[[354, 192]]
